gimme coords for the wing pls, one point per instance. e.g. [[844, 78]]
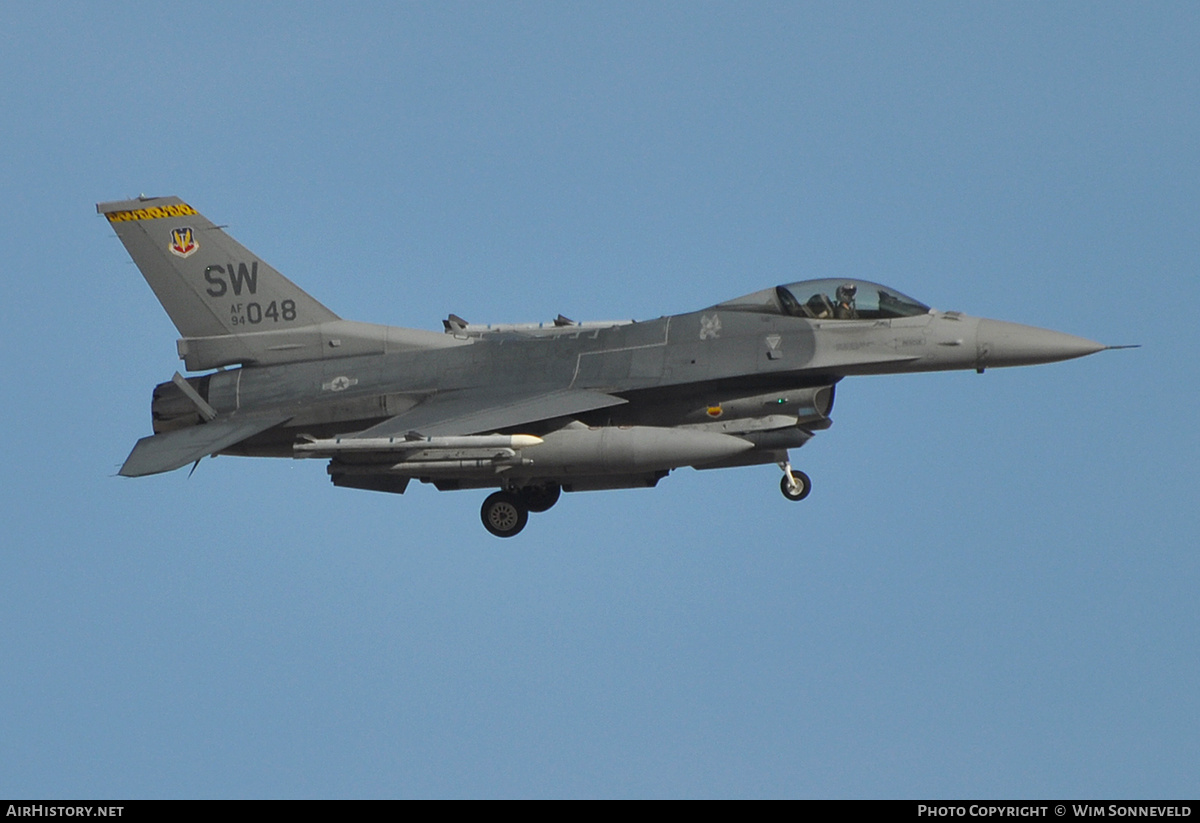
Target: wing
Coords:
[[169, 451], [473, 411]]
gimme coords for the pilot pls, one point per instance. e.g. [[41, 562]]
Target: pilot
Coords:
[[845, 308]]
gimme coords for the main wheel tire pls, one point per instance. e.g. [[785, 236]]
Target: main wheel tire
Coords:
[[504, 514], [540, 498], [802, 480]]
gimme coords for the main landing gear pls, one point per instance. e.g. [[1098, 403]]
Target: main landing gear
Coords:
[[794, 484], [505, 513], [540, 498]]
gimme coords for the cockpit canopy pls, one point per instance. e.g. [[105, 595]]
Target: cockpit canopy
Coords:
[[831, 300]]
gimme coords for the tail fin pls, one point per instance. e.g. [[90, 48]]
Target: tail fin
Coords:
[[210, 284]]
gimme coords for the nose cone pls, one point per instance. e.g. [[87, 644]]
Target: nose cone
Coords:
[[1011, 344]]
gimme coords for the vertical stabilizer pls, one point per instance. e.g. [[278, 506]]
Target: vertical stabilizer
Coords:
[[210, 284]]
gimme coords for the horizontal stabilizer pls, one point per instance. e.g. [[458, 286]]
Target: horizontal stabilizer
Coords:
[[170, 451], [487, 410]]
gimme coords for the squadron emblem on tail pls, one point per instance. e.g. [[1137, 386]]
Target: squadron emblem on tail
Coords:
[[183, 242]]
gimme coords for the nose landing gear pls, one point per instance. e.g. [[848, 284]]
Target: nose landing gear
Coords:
[[794, 484]]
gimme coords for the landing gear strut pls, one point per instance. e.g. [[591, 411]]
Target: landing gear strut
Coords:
[[794, 484], [504, 514]]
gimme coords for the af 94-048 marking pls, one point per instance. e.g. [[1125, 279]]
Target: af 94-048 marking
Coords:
[[254, 313]]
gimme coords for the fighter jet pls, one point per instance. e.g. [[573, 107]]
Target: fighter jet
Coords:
[[531, 410]]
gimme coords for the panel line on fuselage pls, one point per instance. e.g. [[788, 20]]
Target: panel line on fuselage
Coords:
[[657, 345]]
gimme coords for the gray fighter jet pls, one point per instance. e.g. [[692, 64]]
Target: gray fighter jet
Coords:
[[532, 410]]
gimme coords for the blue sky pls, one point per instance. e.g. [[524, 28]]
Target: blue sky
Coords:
[[990, 592]]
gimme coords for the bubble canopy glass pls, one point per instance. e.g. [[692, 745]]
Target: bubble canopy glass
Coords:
[[832, 300]]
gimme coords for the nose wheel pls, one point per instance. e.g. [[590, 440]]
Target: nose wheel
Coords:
[[794, 484]]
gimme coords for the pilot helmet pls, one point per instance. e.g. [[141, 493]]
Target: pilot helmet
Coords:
[[846, 292]]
